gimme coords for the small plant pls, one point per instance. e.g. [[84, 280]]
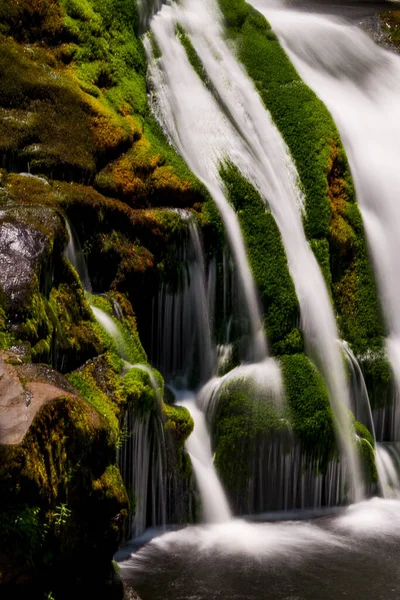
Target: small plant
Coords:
[[61, 516]]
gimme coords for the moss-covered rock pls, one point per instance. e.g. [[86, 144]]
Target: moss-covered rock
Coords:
[[63, 503]]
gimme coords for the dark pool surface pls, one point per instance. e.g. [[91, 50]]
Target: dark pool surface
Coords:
[[354, 555]]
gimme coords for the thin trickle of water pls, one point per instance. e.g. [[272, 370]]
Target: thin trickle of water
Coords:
[[243, 132], [361, 405], [112, 329], [360, 84], [214, 505], [75, 255], [142, 461], [184, 348]]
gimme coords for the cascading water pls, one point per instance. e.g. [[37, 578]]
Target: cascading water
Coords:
[[361, 405], [242, 131], [142, 455], [360, 84], [215, 506], [201, 133], [183, 348], [388, 465]]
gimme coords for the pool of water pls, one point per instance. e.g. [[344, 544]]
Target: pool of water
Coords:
[[354, 554]]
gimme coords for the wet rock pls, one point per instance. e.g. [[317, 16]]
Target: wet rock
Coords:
[[27, 238], [20, 402]]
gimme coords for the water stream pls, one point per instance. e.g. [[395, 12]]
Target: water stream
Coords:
[[214, 505]]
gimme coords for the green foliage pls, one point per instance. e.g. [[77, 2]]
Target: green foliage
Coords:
[[268, 263], [60, 516]]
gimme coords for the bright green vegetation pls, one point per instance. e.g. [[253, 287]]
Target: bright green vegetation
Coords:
[[128, 345], [75, 106], [332, 220], [310, 411], [268, 263], [179, 421], [245, 417]]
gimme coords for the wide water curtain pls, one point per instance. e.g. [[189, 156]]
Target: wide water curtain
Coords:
[[214, 116], [360, 85]]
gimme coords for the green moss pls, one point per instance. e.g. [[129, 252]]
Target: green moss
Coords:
[[85, 382], [140, 391], [60, 490], [366, 450], [111, 486], [179, 422], [244, 416], [79, 338], [268, 263], [30, 21]]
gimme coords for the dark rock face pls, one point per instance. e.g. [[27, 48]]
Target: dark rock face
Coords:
[[27, 237], [20, 253]]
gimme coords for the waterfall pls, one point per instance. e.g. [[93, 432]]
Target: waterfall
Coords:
[[360, 84], [361, 405], [142, 450], [242, 131], [142, 455], [193, 120], [183, 348], [148, 8]]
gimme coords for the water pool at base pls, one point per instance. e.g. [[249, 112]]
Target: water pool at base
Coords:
[[354, 554]]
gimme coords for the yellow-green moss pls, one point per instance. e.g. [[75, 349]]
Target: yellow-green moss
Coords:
[[179, 422]]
